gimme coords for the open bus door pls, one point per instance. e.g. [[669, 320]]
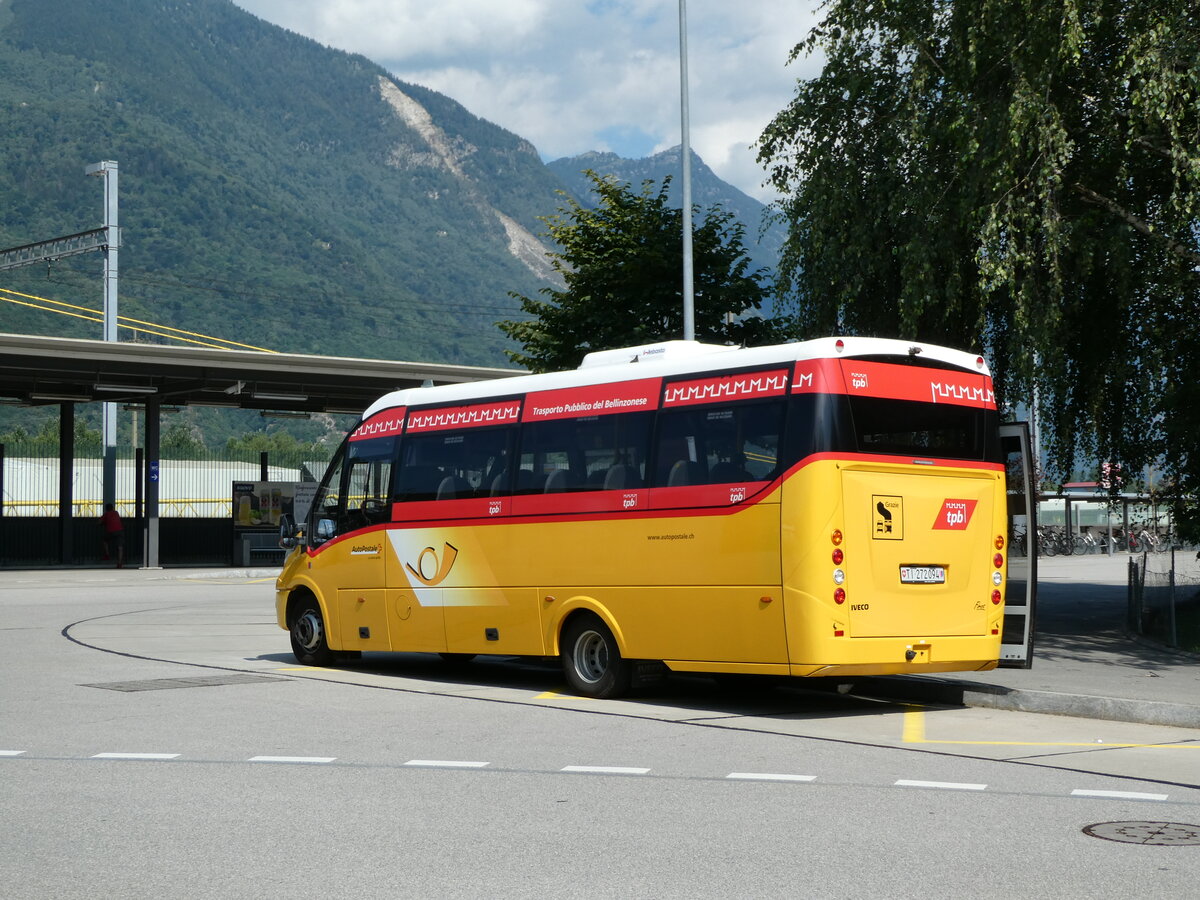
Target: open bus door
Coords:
[[1016, 643]]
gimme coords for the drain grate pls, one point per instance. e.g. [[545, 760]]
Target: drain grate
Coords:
[[1157, 834], [168, 684]]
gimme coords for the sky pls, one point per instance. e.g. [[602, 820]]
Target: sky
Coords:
[[577, 75]]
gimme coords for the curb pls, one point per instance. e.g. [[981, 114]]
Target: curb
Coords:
[[1116, 709]]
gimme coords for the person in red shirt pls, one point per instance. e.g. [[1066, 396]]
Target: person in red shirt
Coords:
[[114, 534]]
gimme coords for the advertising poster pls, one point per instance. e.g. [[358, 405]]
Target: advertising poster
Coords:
[[257, 505]]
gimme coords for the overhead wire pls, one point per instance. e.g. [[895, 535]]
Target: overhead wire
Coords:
[[97, 316], [228, 288]]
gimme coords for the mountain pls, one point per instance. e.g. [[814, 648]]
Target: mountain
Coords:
[[273, 191], [762, 243]]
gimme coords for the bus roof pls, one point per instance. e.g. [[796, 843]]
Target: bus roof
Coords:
[[670, 358]]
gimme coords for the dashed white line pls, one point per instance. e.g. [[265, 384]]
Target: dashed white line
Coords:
[[944, 785], [606, 770], [621, 770], [1117, 795], [136, 756]]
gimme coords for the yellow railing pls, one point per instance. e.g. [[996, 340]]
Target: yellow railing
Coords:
[[185, 507]]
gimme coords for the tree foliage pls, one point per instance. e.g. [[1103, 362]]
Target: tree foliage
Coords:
[[1021, 176], [621, 263]]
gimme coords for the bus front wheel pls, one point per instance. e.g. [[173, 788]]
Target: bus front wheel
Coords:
[[592, 661], [308, 635]]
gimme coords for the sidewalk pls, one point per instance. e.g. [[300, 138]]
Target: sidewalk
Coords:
[[1084, 662]]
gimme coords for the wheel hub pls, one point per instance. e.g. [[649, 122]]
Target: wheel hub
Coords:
[[308, 630]]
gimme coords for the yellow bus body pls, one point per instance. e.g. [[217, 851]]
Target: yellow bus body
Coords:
[[827, 562]]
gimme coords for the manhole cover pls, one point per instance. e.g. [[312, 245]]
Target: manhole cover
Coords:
[[164, 684], [1160, 834]]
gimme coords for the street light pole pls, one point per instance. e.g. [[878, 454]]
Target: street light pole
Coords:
[[689, 301], [108, 170]]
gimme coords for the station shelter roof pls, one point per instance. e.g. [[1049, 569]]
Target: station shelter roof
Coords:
[[40, 371]]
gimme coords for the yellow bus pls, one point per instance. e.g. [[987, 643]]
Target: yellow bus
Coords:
[[826, 508]]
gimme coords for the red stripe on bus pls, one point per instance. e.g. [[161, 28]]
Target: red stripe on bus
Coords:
[[741, 386], [387, 423], [888, 381], [473, 415], [592, 400]]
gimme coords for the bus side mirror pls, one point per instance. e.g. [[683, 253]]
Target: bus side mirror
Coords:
[[288, 533]]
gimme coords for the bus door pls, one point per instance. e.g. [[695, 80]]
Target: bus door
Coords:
[[1020, 603], [349, 522]]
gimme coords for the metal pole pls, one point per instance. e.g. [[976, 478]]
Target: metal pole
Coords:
[[150, 553], [689, 301], [66, 473], [108, 170]]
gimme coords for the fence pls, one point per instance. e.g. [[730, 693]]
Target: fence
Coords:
[[188, 488], [1164, 597]]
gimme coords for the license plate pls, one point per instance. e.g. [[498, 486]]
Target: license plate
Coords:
[[922, 574]]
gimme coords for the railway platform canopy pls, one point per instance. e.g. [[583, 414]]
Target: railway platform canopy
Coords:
[[64, 372], [38, 371]]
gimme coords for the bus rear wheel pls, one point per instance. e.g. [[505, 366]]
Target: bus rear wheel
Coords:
[[591, 660], [308, 635]]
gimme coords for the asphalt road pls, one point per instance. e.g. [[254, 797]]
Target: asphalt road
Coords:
[[158, 740]]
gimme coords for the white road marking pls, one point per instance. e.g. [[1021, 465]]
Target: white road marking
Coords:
[[946, 785], [606, 770], [447, 763], [767, 776], [136, 756], [1118, 795], [293, 759], [11, 752]]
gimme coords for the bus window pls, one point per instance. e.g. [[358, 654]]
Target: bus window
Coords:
[[355, 489], [454, 465], [719, 444], [589, 453], [913, 428]]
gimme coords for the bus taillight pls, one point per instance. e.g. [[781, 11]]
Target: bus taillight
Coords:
[[996, 596], [838, 556], [839, 596], [998, 560]]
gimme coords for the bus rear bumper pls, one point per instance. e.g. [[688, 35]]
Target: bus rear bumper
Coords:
[[900, 668]]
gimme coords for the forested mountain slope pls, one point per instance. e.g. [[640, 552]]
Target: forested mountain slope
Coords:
[[272, 190]]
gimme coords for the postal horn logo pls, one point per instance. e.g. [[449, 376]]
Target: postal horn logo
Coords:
[[430, 570]]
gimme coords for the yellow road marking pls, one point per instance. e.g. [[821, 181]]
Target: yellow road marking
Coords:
[[914, 733], [914, 725]]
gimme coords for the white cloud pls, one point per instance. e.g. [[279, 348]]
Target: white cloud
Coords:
[[572, 76]]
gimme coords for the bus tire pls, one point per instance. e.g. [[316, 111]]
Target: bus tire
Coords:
[[591, 659], [308, 635]]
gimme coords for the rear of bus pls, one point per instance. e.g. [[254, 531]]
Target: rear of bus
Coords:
[[893, 545]]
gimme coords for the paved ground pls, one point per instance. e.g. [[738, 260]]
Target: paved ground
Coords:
[[1085, 661]]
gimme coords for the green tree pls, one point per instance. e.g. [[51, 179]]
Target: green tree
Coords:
[[182, 440], [621, 263], [1020, 176]]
